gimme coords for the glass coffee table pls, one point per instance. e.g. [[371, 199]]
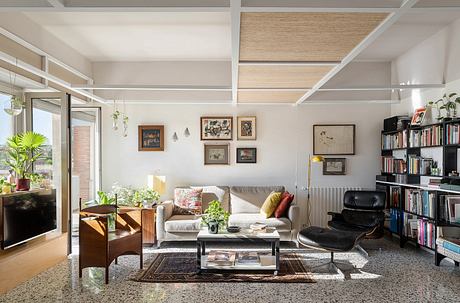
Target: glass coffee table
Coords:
[[243, 236]]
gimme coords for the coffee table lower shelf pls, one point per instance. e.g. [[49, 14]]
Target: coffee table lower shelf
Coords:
[[237, 266]]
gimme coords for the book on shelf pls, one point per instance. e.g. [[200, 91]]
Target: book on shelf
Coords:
[[410, 226], [394, 141], [426, 233], [419, 166], [395, 196], [452, 134], [393, 165], [248, 258], [449, 208], [221, 258], [420, 202], [394, 220], [428, 136], [434, 183]]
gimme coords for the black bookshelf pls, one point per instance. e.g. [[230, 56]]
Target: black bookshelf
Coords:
[[412, 181]]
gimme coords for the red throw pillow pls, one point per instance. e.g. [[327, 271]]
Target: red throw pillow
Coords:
[[286, 200]]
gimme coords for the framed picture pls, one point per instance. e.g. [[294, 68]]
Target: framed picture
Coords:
[[246, 155], [246, 128], [418, 117], [216, 154], [216, 128], [151, 138], [334, 139], [334, 166]]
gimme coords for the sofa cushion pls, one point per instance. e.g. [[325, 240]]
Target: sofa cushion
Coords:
[[245, 220], [212, 192], [283, 206], [249, 199], [270, 204], [188, 198], [183, 223]]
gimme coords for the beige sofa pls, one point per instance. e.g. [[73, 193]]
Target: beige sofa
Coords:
[[243, 203]]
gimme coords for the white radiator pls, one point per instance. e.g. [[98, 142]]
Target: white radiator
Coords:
[[326, 199]]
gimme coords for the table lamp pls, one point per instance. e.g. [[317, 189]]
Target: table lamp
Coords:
[[311, 159]]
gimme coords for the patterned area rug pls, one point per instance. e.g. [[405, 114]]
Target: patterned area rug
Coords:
[[181, 268]]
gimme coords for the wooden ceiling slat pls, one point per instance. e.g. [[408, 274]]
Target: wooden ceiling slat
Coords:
[[303, 36], [272, 76]]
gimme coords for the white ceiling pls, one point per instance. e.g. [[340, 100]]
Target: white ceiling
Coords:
[[138, 36], [410, 30]]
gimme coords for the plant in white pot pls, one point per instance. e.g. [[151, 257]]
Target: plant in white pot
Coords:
[[215, 217], [23, 150]]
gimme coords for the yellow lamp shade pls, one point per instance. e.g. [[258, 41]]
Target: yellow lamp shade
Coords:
[[317, 159], [157, 183]]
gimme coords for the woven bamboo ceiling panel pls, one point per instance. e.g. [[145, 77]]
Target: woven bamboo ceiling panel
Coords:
[[279, 76], [303, 36]]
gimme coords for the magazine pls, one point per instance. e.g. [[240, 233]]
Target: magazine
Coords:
[[221, 258], [248, 258]]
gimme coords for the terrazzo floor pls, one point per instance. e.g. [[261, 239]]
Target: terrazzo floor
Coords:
[[389, 274]]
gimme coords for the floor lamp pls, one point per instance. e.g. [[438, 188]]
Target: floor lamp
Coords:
[[311, 159]]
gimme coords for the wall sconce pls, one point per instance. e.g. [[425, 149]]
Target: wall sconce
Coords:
[[186, 132]]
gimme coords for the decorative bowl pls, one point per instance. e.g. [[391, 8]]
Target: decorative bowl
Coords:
[[233, 229]]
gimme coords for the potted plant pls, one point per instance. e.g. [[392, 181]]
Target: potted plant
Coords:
[[106, 199], [115, 115], [5, 186], [215, 217], [448, 103], [23, 150]]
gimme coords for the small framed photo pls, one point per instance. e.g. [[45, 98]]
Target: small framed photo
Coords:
[[334, 139], [151, 138], [216, 154], [334, 166], [246, 155], [216, 128], [419, 116], [246, 128]]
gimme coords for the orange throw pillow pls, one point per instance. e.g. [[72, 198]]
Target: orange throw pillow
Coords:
[[286, 200]]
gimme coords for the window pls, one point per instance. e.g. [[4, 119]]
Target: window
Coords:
[[6, 130]]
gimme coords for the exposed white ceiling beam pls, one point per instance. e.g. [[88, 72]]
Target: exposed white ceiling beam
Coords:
[[124, 9], [380, 29], [289, 63], [333, 102], [56, 3], [42, 74], [135, 87], [235, 12]]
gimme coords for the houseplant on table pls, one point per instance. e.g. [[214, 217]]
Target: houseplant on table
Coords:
[[215, 217], [23, 150]]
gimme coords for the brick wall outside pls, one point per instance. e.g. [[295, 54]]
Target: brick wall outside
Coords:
[[81, 150]]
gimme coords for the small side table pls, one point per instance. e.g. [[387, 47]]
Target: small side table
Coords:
[[149, 235]]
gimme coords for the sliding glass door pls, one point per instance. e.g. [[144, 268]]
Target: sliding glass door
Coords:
[[49, 115], [86, 151]]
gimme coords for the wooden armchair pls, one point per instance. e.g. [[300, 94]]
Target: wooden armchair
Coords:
[[99, 246]]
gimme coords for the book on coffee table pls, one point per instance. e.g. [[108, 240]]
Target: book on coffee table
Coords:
[[248, 258], [221, 258]]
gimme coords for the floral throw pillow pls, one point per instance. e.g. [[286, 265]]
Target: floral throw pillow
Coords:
[[189, 198]]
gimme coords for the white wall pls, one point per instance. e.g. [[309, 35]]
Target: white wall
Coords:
[[284, 140], [435, 60]]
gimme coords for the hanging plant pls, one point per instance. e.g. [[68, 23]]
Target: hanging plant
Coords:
[[125, 125], [115, 115], [14, 106]]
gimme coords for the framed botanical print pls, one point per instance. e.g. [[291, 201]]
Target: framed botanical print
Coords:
[[216, 128], [246, 155], [151, 138], [246, 128], [334, 166], [216, 154], [334, 139]]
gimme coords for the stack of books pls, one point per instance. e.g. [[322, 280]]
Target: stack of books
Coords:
[[434, 183], [448, 242], [248, 258], [410, 226], [221, 258], [393, 165], [420, 166]]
